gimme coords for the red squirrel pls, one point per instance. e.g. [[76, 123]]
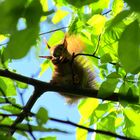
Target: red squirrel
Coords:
[[70, 70]]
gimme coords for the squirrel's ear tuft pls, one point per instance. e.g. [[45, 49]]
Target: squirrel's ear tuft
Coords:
[[47, 45], [65, 44]]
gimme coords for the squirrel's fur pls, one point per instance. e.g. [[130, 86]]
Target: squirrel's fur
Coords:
[[68, 71]]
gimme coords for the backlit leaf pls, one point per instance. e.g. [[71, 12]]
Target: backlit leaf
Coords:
[[108, 124], [59, 15], [56, 38], [87, 107], [8, 87], [44, 66], [132, 123], [44, 4], [100, 111], [21, 85], [81, 133], [98, 22], [117, 6], [99, 6]]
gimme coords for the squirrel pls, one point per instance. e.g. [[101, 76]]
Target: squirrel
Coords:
[[70, 70]]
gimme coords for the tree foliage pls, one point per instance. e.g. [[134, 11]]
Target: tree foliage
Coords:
[[111, 31]]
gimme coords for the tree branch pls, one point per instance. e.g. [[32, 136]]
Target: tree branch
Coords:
[[43, 87], [26, 109]]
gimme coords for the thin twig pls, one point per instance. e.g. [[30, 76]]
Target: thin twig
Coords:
[[20, 128], [108, 133], [3, 44], [43, 33], [106, 12], [92, 55], [9, 115], [97, 47], [7, 100]]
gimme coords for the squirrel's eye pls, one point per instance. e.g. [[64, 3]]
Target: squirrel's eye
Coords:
[[57, 53]]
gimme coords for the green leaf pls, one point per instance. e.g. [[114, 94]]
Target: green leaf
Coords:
[[128, 49], [7, 86], [3, 137], [128, 93], [117, 6], [114, 75], [130, 78], [106, 58], [10, 109], [56, 38], [75, 26], [100, 111], [12, 100], [99, 6], [60, 2], [85, 115], [44, 66], [44, 4], [82, 134], [132, 123], [120, 17], [21, 85], [111, 36], [108, 124], [6, 121], [59, 15], [135, 4], [124, 88], [11, 11], [80, 3], [98, 22], [33, 14], [42, 116], [86, 112], [48, 138], [108, 87], [20, 43]]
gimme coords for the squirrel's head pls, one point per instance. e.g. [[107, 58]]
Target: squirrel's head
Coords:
[[59, 53]]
